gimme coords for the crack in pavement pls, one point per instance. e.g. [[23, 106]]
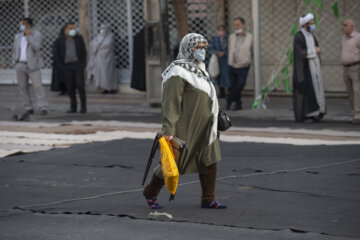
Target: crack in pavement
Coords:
[[76, 164], [91, 213], [289, 191]]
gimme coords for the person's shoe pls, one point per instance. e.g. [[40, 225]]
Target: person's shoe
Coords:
[[316, 119], [237, 107], [356, 121], [43, 112], [213, 204], [62, 93], [25, 117], [30, 111], [82, 111], [152, 202], [71, 111]]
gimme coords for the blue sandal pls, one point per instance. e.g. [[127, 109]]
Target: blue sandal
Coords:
[[152, 202], [213, 204]]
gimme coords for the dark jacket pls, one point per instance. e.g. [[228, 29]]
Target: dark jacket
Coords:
[[61, 49], [304, 98], [57, 81], [223, 78]]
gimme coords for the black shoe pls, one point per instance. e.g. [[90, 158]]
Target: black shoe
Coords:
[[83, 111], [30, 111], [237, 107], [25, 117], [71, 111], [43, 112]]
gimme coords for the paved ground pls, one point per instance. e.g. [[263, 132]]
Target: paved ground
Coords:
[[305, 186], [274, 191]]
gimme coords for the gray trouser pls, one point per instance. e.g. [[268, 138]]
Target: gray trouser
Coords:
[[352, 82], [23, 74]]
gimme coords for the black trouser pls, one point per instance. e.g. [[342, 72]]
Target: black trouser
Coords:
[[74, 79], [238, 80]]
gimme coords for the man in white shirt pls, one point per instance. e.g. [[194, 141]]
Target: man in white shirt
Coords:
[[26, 58], [239, 58]]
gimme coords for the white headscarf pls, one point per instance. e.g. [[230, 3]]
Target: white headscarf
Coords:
[[194, 72], [306, 19]]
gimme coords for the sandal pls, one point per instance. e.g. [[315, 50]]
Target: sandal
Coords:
[[213, 204], [152, 202]]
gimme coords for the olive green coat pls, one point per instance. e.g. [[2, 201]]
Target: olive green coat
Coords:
[[186, 114]]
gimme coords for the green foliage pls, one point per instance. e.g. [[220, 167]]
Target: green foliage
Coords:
[[294, 29], [335, 9]]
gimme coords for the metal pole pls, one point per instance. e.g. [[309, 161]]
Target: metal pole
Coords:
[[26, 8], [257, 47], [130, 35]]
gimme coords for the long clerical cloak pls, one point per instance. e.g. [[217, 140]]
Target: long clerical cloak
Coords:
[[304, 98]]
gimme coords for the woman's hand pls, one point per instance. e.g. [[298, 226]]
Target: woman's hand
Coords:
[[168, 137]]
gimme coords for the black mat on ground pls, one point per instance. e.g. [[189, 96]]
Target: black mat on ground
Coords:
[[312, 189]]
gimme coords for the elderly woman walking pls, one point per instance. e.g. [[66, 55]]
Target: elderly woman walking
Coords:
[[189, 112]]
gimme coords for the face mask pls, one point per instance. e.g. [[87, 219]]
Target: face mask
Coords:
[[22, 28], [239, 31], [72, 33], [312, 27], [221, 33], [200, 55]]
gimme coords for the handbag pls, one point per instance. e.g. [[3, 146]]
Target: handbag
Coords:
[[224, 122], [214, 68]]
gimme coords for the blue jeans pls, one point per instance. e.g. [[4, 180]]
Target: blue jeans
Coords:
[[238, 78]]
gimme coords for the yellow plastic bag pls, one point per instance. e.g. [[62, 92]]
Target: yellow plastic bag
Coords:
[[168, 166]]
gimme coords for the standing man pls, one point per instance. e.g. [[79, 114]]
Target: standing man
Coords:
[[71, 57], [26, 58], [240, 52], [308, 90], [350, 57]]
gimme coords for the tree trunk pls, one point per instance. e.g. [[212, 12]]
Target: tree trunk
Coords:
[[219, 6], [182, 26], [83, 17]]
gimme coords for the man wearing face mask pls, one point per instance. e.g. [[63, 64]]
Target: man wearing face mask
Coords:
[[240, 54], [71, 59], [101, 70], [308, 90], [26, 58]]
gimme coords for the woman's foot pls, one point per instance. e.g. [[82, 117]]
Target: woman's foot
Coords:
[[152, 202], [213, 204]]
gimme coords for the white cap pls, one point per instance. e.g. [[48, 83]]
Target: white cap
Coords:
[[306, 19]]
